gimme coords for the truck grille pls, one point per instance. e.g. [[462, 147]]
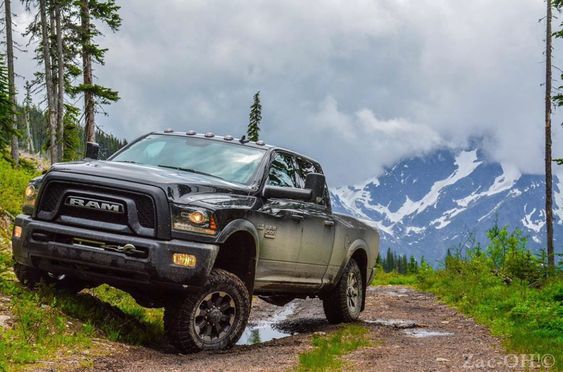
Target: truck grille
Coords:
[[52, 200]]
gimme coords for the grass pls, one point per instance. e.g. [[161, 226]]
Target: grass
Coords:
[[393, 278], [13, 183], [529, 320], [328, 348]]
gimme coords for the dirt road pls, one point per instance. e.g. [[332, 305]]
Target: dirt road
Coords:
[[411, 331]]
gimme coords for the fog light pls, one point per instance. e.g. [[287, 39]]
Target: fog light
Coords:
[[17, 232], [183, 259]]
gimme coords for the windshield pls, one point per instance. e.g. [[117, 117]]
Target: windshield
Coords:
[[228, 161]]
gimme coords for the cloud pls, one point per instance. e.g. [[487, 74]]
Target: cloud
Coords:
[[355, 84]]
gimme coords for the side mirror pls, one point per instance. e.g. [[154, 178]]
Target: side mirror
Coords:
[[92, 151], [316, 183], [286, 193]]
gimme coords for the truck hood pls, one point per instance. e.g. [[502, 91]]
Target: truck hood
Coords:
[[179, 186]]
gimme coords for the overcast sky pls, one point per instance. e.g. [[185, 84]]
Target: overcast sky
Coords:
[[357, 85]]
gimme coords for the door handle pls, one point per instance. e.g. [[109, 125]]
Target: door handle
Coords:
[[329, 223], [297, 217]]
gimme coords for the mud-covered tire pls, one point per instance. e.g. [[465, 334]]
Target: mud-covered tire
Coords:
[[344, 303], [212, 319], [30, 277]]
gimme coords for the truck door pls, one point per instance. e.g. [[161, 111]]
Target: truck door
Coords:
[[318, 228], [280, 228]]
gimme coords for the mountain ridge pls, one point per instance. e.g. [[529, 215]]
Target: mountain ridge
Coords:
[[424, 205]]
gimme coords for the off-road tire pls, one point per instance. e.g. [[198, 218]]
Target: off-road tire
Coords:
[[180, 317], [30, 277], [337, 305]]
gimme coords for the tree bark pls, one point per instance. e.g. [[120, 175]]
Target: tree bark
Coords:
[[48, 79], [90, 126], [61, 85], [548, 156], [11, 77]]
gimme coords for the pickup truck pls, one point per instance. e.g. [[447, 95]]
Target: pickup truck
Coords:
[[197, 224]]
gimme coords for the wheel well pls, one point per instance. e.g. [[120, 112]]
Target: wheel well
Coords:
[[238, 256], [361, 259]]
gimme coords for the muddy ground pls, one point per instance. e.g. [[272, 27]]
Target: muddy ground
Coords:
[[411, 331]]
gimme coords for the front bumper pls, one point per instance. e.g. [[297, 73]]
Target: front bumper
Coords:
[[48, 246]]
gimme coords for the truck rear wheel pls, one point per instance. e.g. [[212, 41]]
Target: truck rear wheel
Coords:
[[344, 303], [213, 319]]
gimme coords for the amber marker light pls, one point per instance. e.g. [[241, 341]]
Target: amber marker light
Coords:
[[17, 232], [184, 259]]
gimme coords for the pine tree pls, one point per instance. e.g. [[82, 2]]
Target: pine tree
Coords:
[[390, 265], [93, 12], [255, 117], [413, 266]]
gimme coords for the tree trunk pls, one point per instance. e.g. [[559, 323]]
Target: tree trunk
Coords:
[[61, 85], [48, 80], [11, 83], [90, 126], [548, 159], [30, 147]]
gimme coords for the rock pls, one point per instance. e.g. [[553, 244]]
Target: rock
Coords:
[[4, 321], [395, 323], [442, 360]]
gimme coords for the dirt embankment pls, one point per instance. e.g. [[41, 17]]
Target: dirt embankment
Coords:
[[411, 331]]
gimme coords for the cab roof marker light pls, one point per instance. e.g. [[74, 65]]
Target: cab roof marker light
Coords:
[[168, 130], [260, 143], [209, 135], [228, 137], [191, 132]]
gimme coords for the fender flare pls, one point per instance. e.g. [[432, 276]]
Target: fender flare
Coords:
[[242, 225], [237, 226]]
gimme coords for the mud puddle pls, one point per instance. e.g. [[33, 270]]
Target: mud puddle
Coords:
[[268, 329]]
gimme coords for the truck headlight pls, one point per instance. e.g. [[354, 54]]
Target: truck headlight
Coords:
[[30, 199], [197, 220]]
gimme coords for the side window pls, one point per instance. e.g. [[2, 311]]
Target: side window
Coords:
[[282, 171]]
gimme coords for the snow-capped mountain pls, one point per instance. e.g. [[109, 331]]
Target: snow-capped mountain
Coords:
[[425, 205]]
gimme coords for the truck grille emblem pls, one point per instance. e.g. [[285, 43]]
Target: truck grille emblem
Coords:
[[102, 205]]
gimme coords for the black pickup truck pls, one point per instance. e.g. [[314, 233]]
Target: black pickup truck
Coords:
[[197, 224]]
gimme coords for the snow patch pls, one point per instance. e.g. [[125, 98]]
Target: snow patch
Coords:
[[533, 225]]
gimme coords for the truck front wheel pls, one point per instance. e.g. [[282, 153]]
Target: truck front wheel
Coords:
[[31, 277], [344, 302], [213, 319]]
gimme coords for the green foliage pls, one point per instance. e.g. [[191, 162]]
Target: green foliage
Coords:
[[504, 287], [72, 141], [328, 348], [12, 185], [392, 278], [255, 117]]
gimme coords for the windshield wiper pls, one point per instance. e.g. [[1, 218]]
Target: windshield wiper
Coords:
[[189, 170]]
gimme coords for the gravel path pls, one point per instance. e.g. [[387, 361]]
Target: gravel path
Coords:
[[411, 331]]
